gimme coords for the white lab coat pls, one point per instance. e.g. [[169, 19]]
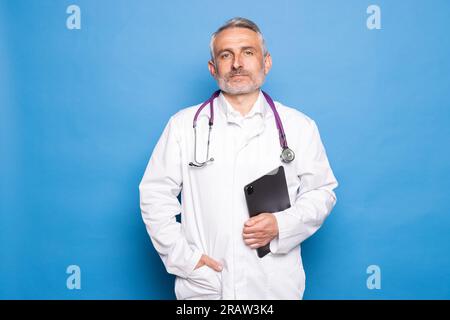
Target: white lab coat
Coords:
[[213, 208]]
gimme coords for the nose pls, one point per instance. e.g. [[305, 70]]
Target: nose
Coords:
[[237, 62]]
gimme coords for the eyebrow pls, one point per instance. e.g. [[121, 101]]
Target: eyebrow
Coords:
[[231, 50]]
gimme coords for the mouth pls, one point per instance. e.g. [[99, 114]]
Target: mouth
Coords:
[[239, 75]]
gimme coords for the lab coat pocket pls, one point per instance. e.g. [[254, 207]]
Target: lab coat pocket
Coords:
[[287, 281], [203, 281]]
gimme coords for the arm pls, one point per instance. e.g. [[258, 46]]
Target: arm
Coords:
[[314, 201], [159, 188]]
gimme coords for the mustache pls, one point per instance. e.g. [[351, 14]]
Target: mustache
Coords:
[[237, 73]]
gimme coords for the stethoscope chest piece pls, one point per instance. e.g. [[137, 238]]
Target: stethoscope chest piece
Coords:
[[287, 155]]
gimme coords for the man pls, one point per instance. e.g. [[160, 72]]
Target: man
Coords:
[[212, 251]]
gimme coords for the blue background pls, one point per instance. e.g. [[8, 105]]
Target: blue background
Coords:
[[81, 111]]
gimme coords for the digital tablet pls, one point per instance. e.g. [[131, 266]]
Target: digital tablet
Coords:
[[268, 193]]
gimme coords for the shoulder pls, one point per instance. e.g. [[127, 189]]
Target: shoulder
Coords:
[[299, 127], [180, 123], [184, 115], [183, 118], [294, 116]]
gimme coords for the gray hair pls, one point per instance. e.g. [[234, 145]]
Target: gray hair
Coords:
[[238, 22]]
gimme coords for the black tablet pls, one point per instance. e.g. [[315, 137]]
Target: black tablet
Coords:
[[268, 193]]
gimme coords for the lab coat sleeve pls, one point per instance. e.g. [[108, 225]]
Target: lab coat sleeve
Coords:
[[159, 189], [314, 200]]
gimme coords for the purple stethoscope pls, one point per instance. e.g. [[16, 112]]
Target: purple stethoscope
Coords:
[[287, 155]]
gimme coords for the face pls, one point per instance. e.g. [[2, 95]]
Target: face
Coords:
[[239, 64]]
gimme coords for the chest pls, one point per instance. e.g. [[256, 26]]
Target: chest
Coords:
[[241, 153]]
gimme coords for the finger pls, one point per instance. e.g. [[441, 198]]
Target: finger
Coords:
[[253, 220], [249, 235], [250, 242], [259, 244], [210, 262], [255, 235], [254, 229], [200, 262], [256, 245], [249, 223]]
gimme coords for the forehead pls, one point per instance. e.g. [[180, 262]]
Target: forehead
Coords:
[[236, 38]]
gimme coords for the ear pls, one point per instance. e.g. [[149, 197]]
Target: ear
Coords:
[[212, 68], [267, 63]]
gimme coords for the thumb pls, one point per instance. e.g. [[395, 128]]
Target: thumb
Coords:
[[210, 262]]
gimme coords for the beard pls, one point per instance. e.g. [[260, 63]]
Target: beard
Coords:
[[252, 83]]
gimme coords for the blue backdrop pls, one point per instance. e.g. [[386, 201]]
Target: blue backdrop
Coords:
[[82, 109]]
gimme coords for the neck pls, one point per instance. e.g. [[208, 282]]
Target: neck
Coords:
[[242, 102]]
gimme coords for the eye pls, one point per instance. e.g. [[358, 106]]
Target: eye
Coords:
[[248, 52], [225, 55]]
